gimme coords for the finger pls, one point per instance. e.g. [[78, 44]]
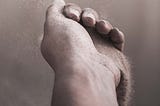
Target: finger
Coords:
[[117, 38], [72, 11], [103, 27], [89, 17], [53, 15], [55, 8]]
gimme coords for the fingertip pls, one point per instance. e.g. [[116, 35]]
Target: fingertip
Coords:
[[89, 17], [103, 27], [117, 36], [72, 11], [56, 7]]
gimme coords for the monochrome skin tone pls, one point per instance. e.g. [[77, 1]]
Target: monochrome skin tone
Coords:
[[85, 53]]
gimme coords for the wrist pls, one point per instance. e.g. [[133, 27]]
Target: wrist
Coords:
[[88, 85]]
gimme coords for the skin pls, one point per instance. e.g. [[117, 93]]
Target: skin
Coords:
[[85, 53]]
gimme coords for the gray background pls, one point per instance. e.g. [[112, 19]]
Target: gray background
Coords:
[[27, 80]]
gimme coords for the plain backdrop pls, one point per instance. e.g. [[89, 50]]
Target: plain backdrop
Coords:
[[27, 80]]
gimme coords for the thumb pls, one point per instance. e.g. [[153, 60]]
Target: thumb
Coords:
[[55, 8]]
